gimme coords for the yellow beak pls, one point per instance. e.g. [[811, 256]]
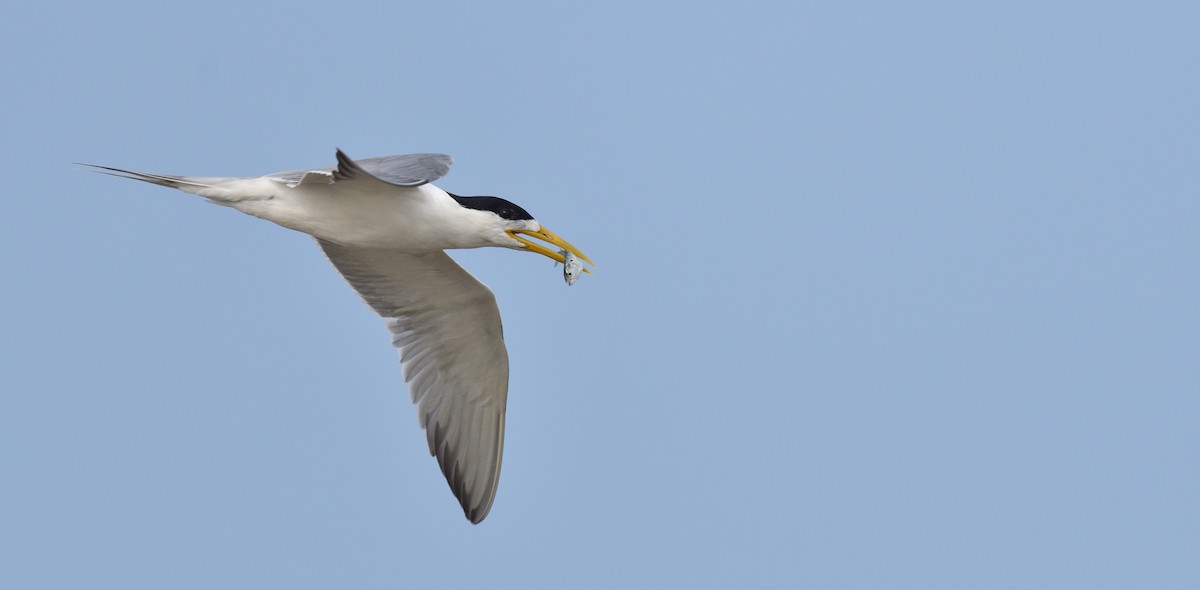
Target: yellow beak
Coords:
[[546, 235]]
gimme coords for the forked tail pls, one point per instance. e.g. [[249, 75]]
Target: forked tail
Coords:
[[191, 184], [222, 190]]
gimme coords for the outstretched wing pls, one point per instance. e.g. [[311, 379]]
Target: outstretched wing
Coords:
[[447, 328], [405, 170]]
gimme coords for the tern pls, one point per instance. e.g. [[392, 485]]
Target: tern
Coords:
[[385, 227]]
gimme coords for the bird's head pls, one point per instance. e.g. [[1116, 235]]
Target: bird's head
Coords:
[[507, 222]]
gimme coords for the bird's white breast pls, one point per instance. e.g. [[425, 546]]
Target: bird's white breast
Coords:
[[373, 215]]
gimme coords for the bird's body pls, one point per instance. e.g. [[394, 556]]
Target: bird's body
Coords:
[[366, 218], [384, 227]]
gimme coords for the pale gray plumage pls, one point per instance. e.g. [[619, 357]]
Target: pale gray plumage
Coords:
[[385, 226], [447, 327], [406, 170], [403, 170]]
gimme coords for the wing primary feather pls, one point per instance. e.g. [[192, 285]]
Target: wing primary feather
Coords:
[[447, 329], [346, 169], [406, 170]]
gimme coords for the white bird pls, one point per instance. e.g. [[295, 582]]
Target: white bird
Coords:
[[384, 227]]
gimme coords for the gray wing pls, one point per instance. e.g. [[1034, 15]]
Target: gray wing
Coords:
[[447, 328], [405, 170]]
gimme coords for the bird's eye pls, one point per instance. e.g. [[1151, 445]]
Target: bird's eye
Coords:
[[506, 213]]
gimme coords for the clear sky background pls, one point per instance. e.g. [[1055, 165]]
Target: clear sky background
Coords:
[[889, 295]]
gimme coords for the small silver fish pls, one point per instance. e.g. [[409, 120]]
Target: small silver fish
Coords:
[[572, 268]]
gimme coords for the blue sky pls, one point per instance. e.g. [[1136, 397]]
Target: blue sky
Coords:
[[896, 295]]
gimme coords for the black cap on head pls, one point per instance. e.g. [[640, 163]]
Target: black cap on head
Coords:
[[504, 208]]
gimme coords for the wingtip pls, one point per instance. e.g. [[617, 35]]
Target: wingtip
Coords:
[[347, 168], [477, 515]]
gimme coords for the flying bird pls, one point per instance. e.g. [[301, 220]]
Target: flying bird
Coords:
[[385, 227]]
